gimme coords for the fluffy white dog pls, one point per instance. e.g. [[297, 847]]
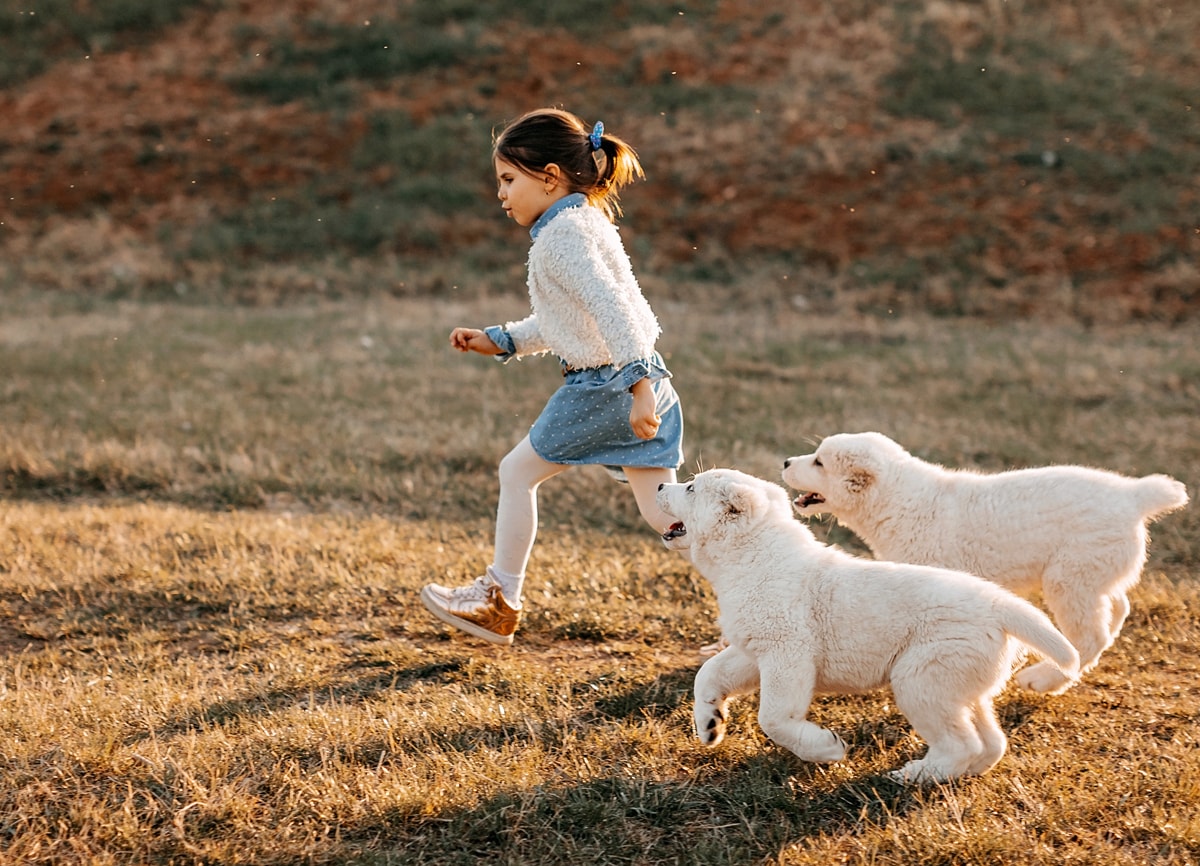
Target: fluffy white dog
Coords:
[[1077, 534], [802, 618]]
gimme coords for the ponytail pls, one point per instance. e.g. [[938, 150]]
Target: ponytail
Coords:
[[593, 162]]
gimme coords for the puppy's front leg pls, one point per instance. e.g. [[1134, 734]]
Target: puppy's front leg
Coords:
[[783, 704], [730, 672]]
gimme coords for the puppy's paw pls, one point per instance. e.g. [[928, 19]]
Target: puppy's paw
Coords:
[[710, 723], [816, 744], [1044, 677], [833, 748], [915, 773]]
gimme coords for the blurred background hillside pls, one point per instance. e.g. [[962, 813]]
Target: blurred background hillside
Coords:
[[999, 159]]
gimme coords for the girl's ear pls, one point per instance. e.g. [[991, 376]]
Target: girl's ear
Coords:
[[551, 176]]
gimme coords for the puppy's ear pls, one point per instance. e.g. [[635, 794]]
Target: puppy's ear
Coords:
[[740, 499], [859, 480]]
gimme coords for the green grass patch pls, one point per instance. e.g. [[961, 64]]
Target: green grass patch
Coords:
[[35, 35], [1011, 86], [424, 184], [325, 58], [1029, 95], [321, 63], [587, 19]]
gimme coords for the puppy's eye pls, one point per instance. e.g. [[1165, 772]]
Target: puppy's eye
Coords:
[[691, 488], [817, 461]]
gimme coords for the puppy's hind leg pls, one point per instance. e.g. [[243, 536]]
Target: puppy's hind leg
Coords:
[[782, 706], [948, 723], [1091, 624], [995, 743], [1120, 610], [730, 672]]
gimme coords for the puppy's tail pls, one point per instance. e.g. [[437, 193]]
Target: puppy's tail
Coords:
[[1157, 495], [1033, 628]]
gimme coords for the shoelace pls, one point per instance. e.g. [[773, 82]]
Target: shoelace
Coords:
[[478, 589]]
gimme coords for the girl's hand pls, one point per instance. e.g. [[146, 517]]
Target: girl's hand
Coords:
[[473, 340], [642, 417]]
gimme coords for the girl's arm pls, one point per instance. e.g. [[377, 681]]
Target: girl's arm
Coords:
[[642, 417], [473, 340], [526, 337]]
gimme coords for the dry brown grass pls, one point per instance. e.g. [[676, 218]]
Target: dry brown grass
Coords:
[[215, 522]]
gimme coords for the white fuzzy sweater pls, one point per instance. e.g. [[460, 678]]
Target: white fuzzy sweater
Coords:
[[587, 306]]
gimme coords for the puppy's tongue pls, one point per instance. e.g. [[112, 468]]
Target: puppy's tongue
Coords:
[[677, 530]]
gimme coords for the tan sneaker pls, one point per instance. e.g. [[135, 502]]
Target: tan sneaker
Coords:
[[478, 609]]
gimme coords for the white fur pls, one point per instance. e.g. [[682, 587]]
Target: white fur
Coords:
[[1076, 534], [803, 618]]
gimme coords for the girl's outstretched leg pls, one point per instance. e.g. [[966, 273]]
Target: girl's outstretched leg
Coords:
[[490, 608], [521, 473], [644, 483]]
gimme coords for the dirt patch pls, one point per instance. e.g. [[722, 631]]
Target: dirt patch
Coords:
[[767, 133]]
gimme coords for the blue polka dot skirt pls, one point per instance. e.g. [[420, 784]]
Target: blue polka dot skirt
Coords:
[[587, 419]]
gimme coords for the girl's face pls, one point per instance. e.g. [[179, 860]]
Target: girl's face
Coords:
[[523, 196]]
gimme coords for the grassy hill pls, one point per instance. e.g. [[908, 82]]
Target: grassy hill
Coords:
[[1005, 159]]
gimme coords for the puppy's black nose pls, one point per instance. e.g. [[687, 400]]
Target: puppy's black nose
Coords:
[[787, 463], [661, 486]]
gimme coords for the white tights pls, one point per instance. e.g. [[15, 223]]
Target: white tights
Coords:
[[521, 473]]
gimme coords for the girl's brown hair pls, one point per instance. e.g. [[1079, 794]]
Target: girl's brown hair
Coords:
[[551, 136]]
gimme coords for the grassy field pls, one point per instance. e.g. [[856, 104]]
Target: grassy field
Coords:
[[214, 521], [234, 442]]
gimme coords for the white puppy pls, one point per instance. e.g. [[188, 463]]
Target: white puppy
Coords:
[[801, 618], [1077, 534]]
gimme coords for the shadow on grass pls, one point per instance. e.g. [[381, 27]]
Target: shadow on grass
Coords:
[[744, 812], [717, 810], [331, 693]]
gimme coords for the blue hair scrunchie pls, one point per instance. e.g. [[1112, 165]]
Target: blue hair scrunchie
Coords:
[[597, 135]]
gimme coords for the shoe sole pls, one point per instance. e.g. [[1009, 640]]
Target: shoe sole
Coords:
[[462, 624]]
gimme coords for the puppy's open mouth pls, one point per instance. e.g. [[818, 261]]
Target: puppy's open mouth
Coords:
[[677, 530], [806, 500]]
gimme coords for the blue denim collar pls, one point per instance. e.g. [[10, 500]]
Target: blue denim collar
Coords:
[[575, 199]]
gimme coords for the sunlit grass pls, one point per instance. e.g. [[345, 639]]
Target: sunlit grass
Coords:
[[192, 685], [216, 522]]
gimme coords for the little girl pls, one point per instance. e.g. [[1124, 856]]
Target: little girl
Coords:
[[616, 406]]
